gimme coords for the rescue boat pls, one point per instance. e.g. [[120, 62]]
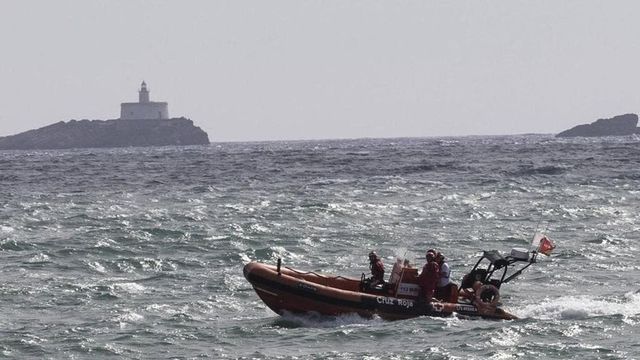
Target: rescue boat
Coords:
[[283, 289]]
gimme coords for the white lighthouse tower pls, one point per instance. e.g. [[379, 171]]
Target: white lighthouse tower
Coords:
[[144, 109], [143, 94]]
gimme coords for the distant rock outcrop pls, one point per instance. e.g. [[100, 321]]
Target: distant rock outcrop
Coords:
[[616, 126], [108, 133]]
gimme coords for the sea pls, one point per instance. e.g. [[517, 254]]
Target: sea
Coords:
[[137, 253]]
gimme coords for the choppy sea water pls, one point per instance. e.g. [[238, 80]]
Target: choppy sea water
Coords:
[[138, 252]]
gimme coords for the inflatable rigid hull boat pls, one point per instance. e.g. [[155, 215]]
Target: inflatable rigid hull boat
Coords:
[[286, 289]]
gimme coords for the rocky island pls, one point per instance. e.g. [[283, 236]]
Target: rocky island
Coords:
[[108, 133], [143, 123], [620, 125]]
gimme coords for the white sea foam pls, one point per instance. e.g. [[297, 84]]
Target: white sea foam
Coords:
[[39, 258], [128, 316], [508, 337], [151, 264], [582, 307], [451, 197], [240, 208], [166, 309], [245, 258], [96, 266], [318, 321], [341, 208], [259, 228], [281, 252], [105, 243], [32, 340], [308, 241], [132, 288]]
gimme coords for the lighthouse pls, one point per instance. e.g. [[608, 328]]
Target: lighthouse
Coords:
[[143, 94], [144, 108]]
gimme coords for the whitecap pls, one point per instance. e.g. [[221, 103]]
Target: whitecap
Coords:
[[572, 331], [105, 243], [485, 195], [128, 317], [97, 267], [259, 228], [39, 258], [132, 288], [245, 258], [308, 241], [507, 337], [281, 252], [166, 309], [151, 264], [31, 339], [339, 208]]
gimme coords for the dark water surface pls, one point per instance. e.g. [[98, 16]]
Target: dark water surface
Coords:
[[138, 253]]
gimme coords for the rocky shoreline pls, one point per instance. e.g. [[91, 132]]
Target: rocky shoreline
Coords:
[[620, 125], [108, 133]]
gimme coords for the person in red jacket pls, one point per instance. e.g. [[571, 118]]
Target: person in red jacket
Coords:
[[428, 278], [377, 269]]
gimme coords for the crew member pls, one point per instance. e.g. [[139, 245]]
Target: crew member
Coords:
[[444, 290], [445, 272], [377, 269], [428, 278]]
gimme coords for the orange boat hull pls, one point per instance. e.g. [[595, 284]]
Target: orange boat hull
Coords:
[[304, 292]]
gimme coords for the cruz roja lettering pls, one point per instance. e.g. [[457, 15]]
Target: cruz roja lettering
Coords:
[[392, 301]]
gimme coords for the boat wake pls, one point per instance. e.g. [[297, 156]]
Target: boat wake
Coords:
[[583, 307]]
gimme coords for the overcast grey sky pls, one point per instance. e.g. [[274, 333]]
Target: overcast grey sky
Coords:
[[268, 70]]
